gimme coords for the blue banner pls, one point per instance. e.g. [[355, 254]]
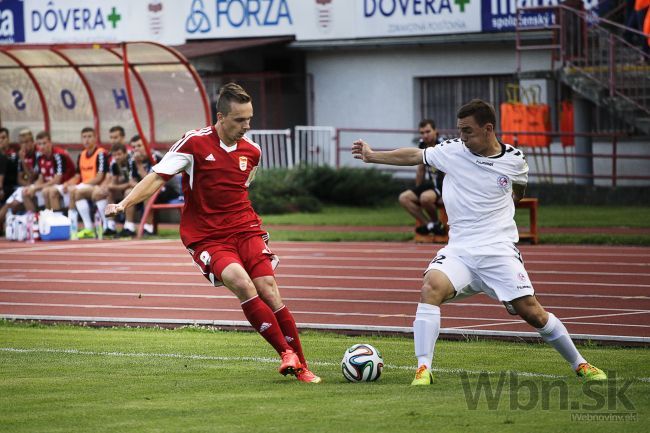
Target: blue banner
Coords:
[[12, 28], [501, 15]]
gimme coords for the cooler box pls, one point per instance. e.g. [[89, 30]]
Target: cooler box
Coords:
[[54, 226]]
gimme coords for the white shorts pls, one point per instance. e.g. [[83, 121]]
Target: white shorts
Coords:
[[64, 195], [496, 270], [16, 196]]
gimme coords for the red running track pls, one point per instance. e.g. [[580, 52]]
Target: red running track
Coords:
[[600, 292]]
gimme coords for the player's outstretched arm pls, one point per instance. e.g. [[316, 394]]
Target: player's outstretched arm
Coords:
[[142, 191], [404, 156]]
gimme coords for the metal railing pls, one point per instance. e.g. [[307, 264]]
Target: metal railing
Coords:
[[593, 56], [597, 53], [554, 164]]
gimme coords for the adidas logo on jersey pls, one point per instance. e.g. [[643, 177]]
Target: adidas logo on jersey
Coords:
[[210, 157], [265, 326]]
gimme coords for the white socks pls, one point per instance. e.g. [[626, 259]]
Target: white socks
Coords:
[[84, 212], [426, 329], [555, 334], [129, 225], [101, 207]]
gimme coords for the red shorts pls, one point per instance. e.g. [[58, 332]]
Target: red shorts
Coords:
[[250, 251]]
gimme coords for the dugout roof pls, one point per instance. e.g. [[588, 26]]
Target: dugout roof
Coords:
[[147, 88]]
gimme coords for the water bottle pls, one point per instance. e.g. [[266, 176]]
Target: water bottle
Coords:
[[74, 224], [99, 226], [29, 226], [36, 231], [9, 226]]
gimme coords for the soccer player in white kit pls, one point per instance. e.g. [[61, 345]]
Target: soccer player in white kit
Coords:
[[484, 178]]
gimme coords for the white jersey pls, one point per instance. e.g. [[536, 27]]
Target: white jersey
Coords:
[[478, 192]]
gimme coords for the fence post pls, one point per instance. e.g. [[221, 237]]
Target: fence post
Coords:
[[584, 164]]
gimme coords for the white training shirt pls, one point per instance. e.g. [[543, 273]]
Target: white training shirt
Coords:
[[477, 192]]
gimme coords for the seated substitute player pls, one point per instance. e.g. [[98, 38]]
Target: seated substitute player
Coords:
[[54, 166], [118, 183], [422, 200], [8, 167], [92, 166], [140, 167], [219, 227], [26, 174], [483, 179]]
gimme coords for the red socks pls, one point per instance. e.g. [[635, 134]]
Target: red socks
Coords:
[[288, 327], [263, 320]]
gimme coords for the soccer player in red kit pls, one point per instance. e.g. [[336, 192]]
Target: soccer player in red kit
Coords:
[[219, 227]]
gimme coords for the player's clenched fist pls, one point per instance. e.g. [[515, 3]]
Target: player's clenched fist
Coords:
[[361, 150], [113, 209]]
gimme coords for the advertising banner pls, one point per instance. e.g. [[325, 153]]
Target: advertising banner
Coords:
[[329, 19], [501, 15], [70, 21], [11, 22]]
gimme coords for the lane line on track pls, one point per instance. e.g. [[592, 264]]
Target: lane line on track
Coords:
[[201, 282], [371, 252], [187, 262], [295, 312], [564, 320], [372, 289], [361, 268], [350, 301]]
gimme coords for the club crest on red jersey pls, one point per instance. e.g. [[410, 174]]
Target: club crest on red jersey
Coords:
[[243, 163]]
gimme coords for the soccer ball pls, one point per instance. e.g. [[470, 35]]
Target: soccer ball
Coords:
[[362, 362]]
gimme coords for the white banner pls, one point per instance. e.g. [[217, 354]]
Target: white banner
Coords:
[[329, 19], [173, 21], [382, 18], [70, 21]]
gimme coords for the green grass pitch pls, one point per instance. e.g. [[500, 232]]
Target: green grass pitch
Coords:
[[79, 379]]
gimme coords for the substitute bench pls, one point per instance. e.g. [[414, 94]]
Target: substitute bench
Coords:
[[525, 203], [153, 207]]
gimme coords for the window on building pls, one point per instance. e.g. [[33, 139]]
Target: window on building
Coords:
[[440, 97]]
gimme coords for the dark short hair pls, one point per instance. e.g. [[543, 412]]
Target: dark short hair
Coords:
[[88, 129], [425, 122], [5, 130], [231, 92], [119, 129], [135, 138], [482, 111], [43, 134], [118, 146]]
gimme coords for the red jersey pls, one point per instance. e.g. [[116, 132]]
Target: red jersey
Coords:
[[215, 184], [58, 163]]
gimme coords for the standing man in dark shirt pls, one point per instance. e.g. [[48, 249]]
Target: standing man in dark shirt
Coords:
[[422, 200], [8, 166]]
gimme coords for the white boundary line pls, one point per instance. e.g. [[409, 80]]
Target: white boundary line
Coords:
[[326, 327], [256, 359]]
